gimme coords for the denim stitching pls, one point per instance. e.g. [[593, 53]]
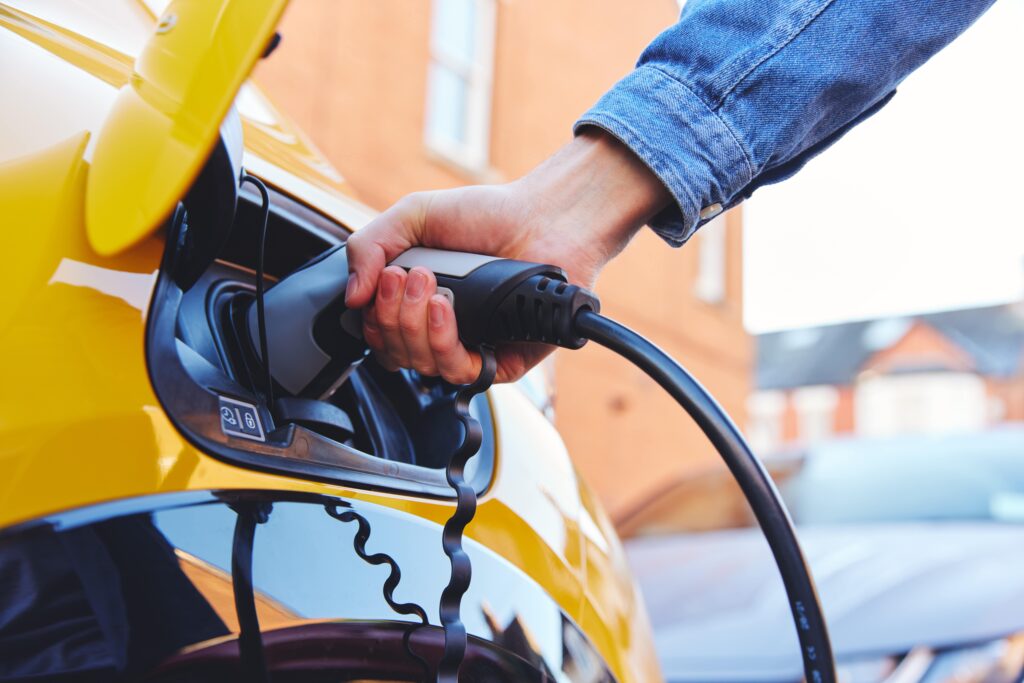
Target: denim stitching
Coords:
[[712, 112], [740, 144], [797, 30]]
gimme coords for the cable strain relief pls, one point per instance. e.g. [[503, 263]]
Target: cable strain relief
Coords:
[[541, 309]]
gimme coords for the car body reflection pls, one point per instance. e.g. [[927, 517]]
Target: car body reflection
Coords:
[[103, 595]]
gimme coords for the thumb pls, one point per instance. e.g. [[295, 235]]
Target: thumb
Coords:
[[381, 240], [366, 259]]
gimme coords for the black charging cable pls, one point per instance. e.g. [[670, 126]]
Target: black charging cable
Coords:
[[499, 301], [261, 315], [253, 662], [753, 479], [450, 606]]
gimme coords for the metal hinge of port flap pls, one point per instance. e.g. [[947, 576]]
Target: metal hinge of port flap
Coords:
[[165, 121]]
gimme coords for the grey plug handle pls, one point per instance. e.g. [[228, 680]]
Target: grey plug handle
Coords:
[[292, 306], [311, 335], [441, 262]]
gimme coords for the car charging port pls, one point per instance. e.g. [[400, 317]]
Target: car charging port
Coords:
[[318, 415], [367, 427]]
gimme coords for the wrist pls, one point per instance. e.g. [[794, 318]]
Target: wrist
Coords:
[[598, 189]]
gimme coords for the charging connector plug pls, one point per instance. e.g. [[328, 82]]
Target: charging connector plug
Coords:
[[541, 309]]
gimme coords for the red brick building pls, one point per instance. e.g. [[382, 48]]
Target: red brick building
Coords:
[[932, 373], [404, 96]]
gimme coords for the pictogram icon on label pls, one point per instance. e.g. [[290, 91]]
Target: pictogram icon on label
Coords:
[[240, 419]]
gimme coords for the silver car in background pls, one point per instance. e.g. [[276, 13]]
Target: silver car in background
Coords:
[[917, 547]]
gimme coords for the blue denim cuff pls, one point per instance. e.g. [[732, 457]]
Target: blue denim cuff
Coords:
[[685, 143]]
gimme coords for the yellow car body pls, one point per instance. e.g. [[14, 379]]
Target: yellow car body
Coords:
[[107, 118]]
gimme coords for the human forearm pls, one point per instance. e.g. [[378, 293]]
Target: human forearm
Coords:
[[742, 93]]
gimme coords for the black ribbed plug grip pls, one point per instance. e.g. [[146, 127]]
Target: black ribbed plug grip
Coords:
[[541, 309]]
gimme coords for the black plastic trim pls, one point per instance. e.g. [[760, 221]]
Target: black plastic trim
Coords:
[[192, 406]]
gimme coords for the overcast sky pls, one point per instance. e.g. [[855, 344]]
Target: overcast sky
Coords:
[[917, 209]]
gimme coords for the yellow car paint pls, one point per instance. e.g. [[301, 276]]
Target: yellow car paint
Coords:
[[165, 120], [79, 421]]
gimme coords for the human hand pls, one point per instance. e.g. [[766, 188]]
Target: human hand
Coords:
[[577, 210]]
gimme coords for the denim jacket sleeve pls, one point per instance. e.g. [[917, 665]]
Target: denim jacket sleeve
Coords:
[[741, 93]]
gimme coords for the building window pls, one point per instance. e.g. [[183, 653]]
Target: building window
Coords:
[[921, 403], [458, 112], [765, 410], [711, 261], [815, 412]]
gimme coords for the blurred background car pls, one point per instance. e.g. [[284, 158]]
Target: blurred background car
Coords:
[[916, 544]]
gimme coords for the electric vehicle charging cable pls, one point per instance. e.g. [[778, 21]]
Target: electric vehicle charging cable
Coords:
[[499, 301], [512, 301], [450, 606], [261, 250], [750, 474]]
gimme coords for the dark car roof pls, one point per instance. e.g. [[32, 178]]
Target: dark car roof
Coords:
[[993, 336]]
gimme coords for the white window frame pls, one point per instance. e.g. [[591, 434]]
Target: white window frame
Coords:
[[815, 412], [921, 403], [710, 285], [474, 153], [765, 412]]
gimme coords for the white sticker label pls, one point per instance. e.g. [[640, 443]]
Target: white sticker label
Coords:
[[240, 419]]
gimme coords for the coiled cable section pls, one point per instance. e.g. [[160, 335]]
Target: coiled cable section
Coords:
[[455, 637], [362, 535]]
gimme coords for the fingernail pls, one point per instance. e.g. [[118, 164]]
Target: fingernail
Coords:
[[436, 311], [350, 288], [415, 285], [388, 284]]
